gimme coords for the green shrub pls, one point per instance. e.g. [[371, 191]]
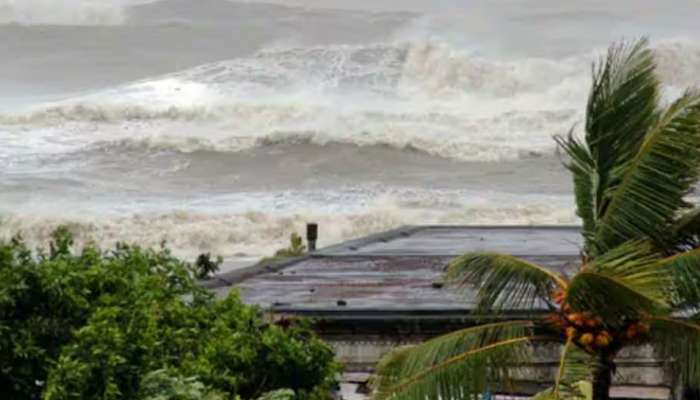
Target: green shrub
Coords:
[[280, 394], [205, 267], [296, 249], [167, 385], [100, 325]]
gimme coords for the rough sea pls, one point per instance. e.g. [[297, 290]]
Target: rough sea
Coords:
[[223, 126]]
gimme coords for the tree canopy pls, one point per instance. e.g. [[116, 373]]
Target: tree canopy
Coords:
[[132, 323]]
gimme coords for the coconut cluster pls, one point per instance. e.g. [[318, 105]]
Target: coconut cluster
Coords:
[[588, 330]]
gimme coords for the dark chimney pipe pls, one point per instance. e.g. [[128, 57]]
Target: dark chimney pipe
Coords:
[[312, 236]]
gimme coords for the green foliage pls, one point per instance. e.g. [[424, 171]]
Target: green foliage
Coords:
[[281, 394], [296, 249], [686, 232], [100, 325], [573, 375], [503, 281], [626, 281], [205, 267], [653, 185], [679, 340], [457, 361], [622, 107], [639, 159], [684, 270], [581, 390], [166, 385], [632, 171]]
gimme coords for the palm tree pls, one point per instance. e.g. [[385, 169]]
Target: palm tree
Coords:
[[639, 277]]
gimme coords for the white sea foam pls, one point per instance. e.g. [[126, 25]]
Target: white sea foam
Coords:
[[420, 96], [126, 162], [423, 96], [63, 12], [256, 234]]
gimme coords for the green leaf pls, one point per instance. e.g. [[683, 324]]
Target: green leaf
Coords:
[[583, 168], [625, 282], [93, 324], [280, 394], [679, 341], [684, 269], [622, 106], [503, 281], [408, 361], [575, 366], [652, 185], [405, 375], [622, 103], [687, 230]]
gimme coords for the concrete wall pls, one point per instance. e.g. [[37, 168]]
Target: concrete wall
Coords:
[[640, 374]]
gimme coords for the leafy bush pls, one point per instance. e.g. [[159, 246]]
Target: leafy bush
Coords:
[[280, 394], [205, 267], [296, 249], [100, 325], [165, 385]]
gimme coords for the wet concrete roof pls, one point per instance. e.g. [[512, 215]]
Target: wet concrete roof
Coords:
[[393, 273], [456, 240]]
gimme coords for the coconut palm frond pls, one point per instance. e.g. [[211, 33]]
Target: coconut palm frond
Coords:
[[636, 265], [581, 390], [611, 297], [622, 107], [572, 381], [406, 362], [503, 281], [687, 230], [465, 375], [626, 281], [684, 269], [653, 184], [583, 169], [625, 256], [679, 341], [575, 365]]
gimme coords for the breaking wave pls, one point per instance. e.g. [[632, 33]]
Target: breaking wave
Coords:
[[422, 95], [199, 157], [257, 234]]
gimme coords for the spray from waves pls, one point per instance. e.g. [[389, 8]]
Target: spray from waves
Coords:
[[256, 234], [423, 96], [397, 95], [64, 12], [421, 73], [679, 62], [484, 138], [417, 73]]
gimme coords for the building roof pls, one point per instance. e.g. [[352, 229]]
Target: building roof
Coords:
[[373, 294], [395, 274]]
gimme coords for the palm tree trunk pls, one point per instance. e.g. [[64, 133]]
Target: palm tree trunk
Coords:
[[602, 380]]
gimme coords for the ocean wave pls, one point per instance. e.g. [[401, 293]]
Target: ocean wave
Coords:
[[422, 95], [472, 109], [64, 12], [422, 76], [679, 61], [257, 234], [407, 75], [508, 135]]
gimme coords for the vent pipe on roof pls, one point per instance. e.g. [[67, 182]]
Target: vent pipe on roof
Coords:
[[311, 236]]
